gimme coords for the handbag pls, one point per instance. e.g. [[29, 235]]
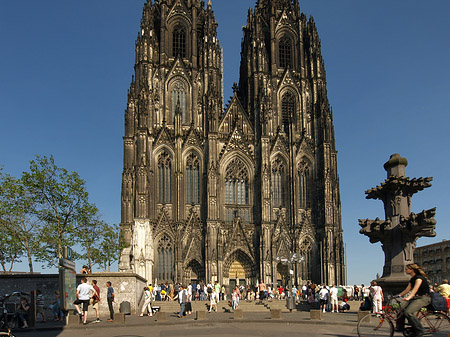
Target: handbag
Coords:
[[438, 302]]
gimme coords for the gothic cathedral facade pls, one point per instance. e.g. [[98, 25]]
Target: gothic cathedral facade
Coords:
[[227, 194]]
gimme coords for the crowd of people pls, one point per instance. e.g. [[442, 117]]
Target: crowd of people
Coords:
[[328, 298]]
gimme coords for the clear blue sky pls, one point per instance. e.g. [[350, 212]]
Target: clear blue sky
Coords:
[[66, 66]]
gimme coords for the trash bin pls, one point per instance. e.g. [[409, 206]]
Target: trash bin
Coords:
[[125, 308], [289, 302]]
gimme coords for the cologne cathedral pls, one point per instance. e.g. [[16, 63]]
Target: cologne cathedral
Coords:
[[242, 192]]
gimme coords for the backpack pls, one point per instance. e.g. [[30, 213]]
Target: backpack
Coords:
[[438, 302]]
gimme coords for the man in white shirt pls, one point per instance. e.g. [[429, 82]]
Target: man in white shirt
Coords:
[[334, 299], [85, 292], [323, 294]]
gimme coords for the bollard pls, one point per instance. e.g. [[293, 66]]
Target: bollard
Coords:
[[238, 314], [161, 316], [119, 317], [362, 313], [200, 315], [315, 314], [275, 313], [73, 319]]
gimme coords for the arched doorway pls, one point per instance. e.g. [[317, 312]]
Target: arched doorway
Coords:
[[193, 272], [282, 274], [236, 274], [239, 269]]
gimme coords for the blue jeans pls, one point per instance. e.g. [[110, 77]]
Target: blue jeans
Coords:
[[182, 305]]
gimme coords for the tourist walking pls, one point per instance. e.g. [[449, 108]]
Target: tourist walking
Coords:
[[444, 289], [334, 299], [95, 300], [355, 292], [84, 293], [323, 295], [148, 297], [217, 291], [110, 297], [182, 297], [189, 299], [212, 299], [262, 290], [377, 297], [40, 305], [57, 312], [235, 298]]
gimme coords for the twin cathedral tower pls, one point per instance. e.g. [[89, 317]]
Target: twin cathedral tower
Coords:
[[214, 193]]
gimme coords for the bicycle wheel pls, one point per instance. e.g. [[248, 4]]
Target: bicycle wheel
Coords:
[[436, 323], [375, 325]]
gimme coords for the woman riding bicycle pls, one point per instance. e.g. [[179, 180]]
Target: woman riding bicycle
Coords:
[[418, 297]]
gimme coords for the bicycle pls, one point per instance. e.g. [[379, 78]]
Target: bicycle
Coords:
[[382, 324], [5, 323]]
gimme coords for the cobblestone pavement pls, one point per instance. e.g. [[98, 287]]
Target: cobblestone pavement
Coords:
[[207, 329], [220, 324]]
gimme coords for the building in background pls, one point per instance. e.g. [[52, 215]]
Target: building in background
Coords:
[[435, 260], [218, 193]]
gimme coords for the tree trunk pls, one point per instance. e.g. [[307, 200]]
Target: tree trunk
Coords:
[[30, 257]]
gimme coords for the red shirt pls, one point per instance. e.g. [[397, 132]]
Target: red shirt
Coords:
[[97, 289]]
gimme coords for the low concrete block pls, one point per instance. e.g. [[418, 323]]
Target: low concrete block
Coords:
[[72, 319], [275, 313], [119, 317], [161, 316], [238, 314], [200, 315], [362, 313], [315, 314]]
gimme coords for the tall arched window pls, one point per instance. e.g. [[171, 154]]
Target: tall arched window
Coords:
[[192, 179], [236, 183], [279, 184], [164, 178], [178, 96], [179, 41], [285, 52], [307, 265], [165, 259], [236, 191], [304, 182], [287, 110]]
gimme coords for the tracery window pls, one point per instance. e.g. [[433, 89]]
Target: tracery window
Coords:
[[279, 184], [287, 110], [307, 265], [304, 182], [179, 41], [164, 178], [178, 96], [236, 183], [285, 52], [165, 259], [192, 179]]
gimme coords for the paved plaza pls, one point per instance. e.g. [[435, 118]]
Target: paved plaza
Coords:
[[220, 324]]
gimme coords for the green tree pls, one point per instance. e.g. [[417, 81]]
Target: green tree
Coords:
[[110, 244], [89, 231], [18, 222], [60, 198]]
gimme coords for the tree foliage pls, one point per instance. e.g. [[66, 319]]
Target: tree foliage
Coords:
[[60, 198], [108, 247], [46, 209], [21, 227]]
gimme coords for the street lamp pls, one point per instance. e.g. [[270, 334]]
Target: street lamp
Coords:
[[289, 261]]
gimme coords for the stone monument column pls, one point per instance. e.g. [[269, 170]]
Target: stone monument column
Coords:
[[399, 232]]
